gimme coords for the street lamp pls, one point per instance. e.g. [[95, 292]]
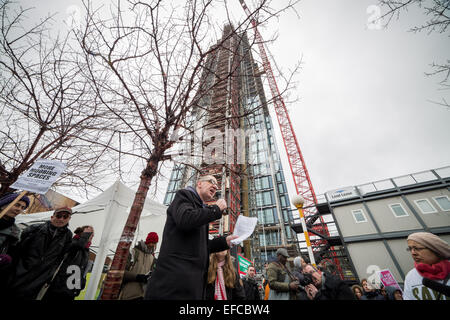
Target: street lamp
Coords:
[[298, 202]]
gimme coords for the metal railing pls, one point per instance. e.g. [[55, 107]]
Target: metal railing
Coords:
[[400, 181]]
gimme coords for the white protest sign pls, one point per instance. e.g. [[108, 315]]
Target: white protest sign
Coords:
[[40, 177], [244, 228]]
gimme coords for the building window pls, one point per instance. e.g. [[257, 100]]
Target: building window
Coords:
[[281, 188], [398, 210], [263, 183], [425, 206], [359, 216], [288, 232], [264, 198], [169, 198], [267, 216], [443, 202]]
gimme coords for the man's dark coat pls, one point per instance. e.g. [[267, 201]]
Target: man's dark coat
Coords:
[[40, 251], [183, 260], [334, 289]]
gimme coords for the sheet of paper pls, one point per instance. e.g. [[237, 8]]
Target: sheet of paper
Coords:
[[244, 228]]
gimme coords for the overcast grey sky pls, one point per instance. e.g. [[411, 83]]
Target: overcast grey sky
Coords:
[[364, 110]]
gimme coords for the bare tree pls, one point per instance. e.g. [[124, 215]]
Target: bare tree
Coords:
[[437, 14], [45, 104], [147, 62]]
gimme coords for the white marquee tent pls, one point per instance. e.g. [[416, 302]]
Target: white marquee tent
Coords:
[[107, 213]]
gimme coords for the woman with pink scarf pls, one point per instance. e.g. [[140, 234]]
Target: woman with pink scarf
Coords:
[[429, 278], [223, 281]]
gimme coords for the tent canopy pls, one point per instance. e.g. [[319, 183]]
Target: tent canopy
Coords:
[[107, 214]]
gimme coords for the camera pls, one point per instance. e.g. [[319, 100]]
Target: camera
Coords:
[[305, 280]]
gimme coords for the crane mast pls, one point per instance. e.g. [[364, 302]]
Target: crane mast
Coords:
[[297, 164]]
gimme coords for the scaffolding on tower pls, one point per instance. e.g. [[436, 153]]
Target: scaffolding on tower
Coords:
[[317, 228]]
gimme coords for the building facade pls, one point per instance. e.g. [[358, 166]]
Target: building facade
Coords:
[[246, 162], [373, 220]]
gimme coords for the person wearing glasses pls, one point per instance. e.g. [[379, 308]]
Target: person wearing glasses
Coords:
[[39, 252], [9, 234], [181, 271], [429, 279]]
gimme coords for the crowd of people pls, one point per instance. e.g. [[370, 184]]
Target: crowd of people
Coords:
[[47, 262], [38, 262]]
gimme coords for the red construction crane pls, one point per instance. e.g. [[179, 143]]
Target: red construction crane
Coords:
[[297, 164]]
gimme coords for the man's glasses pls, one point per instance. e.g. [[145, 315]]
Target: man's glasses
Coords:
[[62, 215], [409, 249], [213, 182]]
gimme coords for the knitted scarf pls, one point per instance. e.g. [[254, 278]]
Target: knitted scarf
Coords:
[[88, 244], [6, 222], [220, 291], [437, 271]]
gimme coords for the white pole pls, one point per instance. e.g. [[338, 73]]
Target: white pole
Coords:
[[298, 202], [102, 249]]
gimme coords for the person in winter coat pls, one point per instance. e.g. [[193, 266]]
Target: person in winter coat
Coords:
[[429, 280], [40, 251], [326, 286], [299, 263], [393, 293], [182, 267], [9, 235], [282, 283], [369, 293], [224, 282], [139, 266], [250, 285], [357, 291], [71, 276]]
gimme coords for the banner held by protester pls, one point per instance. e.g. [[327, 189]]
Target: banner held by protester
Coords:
[[38, 179]]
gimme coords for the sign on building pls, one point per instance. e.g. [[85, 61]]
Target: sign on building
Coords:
[[40, 177], [342, 194]]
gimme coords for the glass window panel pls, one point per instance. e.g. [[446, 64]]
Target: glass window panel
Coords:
[[425, 206], [443, 172], [359, 216], [384, 185], [262, 239], [424, 176], [268, 198], [258, 184], [259, 198], [366, 188], [404, 181], [443, 203], [283, 201], [288, 232], [398, 210], [261, 218]]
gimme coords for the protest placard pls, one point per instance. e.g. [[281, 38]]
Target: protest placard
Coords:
[[387, 278], [40, 177]]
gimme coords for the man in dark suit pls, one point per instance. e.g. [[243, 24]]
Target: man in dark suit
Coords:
[[180, 273]]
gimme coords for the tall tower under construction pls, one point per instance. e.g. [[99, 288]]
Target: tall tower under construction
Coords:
[[233, 140]]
